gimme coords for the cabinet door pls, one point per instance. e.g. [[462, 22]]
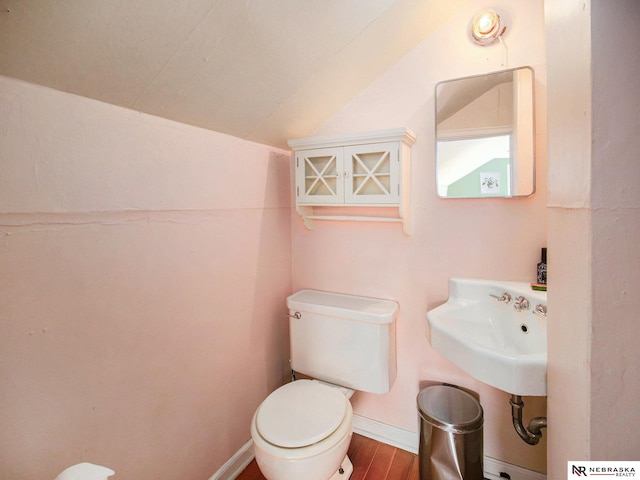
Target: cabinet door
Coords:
[[372, 174], [319, 179]]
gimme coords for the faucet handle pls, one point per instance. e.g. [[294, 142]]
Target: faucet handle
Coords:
[[506, 298], [541, 310]]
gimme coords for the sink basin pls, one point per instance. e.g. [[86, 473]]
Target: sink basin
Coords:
[[493, 338]]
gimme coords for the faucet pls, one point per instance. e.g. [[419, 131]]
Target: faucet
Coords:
[[521, 303]]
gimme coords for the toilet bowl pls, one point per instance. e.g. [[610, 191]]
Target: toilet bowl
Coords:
[[303, 430]]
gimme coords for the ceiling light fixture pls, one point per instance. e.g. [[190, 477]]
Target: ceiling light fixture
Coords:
[[487, 27]]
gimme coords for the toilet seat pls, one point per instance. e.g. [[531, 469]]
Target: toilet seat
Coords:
[[301, 413]]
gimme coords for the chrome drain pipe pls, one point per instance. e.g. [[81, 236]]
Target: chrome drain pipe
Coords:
[[531, 435]]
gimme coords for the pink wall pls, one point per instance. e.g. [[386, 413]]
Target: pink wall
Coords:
[[144, 266], [615, 200], [495, 239], [594, 227]]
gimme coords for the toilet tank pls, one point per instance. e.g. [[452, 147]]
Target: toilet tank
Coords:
[[344, 339]]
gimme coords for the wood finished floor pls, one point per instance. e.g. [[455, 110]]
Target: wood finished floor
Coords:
[[371, 461]]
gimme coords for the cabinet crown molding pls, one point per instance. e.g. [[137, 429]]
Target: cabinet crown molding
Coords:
[[404, 135]]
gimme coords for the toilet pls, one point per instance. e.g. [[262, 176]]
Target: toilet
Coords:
[[343, 343], [86, 471]]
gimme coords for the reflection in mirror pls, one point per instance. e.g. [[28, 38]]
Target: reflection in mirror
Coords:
[[485, 135]]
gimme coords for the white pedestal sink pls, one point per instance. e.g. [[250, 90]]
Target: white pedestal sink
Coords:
[[489, 331]]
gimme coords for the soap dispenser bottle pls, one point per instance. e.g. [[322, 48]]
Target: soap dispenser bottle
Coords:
[[542, 268]]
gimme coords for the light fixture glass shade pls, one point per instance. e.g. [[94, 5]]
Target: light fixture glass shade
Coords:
[[486, 27]]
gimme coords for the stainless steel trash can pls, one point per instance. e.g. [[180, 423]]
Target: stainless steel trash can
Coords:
[[450, 434]]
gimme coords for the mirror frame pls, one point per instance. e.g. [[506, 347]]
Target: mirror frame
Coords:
[[521, 145]]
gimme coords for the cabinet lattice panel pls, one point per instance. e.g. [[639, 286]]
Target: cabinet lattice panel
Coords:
[[371, 173], [320, 175]]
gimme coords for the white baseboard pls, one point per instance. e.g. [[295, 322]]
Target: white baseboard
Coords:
[[394, 436], [236, 464], [410, 441], [493, 468]]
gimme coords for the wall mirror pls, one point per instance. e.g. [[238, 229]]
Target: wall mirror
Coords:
[[485, 135]]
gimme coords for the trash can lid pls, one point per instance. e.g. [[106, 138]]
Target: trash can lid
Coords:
[[450, 408]]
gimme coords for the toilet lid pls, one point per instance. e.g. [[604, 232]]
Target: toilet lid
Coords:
[[301, 413]]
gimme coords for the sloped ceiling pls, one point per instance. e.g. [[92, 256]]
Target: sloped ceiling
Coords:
[[263, 70]]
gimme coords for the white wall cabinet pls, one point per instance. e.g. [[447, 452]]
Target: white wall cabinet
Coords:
[[368, 170]]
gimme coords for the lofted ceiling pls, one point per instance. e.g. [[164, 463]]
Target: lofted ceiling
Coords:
[[262, 70]]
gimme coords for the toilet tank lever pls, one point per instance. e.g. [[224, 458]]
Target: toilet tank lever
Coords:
[[296, 315]]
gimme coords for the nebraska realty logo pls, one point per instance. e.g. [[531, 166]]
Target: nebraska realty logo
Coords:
[[601, 469]]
